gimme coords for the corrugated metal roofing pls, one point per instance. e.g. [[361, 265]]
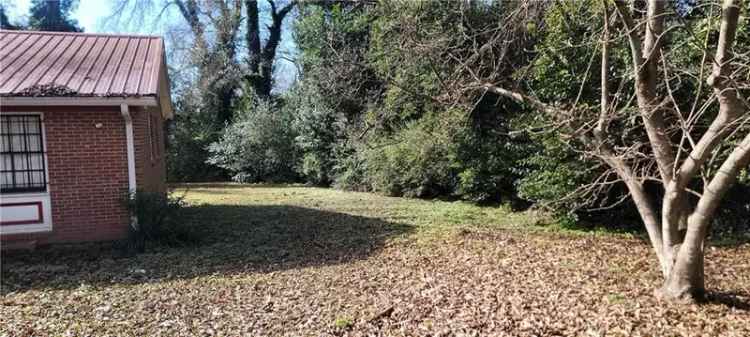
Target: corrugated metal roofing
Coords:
[[80, 64]]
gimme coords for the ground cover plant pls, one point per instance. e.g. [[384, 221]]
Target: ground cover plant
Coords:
[[300, 261]]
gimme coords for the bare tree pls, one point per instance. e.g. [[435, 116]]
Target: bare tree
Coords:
[[678, 152], [260, 60], [215, 28]]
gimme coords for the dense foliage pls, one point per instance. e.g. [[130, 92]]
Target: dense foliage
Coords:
[[391, 99], [259, 145], [399, 130]]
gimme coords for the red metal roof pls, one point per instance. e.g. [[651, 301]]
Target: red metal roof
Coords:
[[80, 64]]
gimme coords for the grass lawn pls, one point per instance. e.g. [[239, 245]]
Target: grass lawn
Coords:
[[300, 261]]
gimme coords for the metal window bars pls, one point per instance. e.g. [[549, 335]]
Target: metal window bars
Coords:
[[22, 165]]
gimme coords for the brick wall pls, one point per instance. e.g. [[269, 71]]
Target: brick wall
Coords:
[[87, 173], [150, 165], [88, 170]]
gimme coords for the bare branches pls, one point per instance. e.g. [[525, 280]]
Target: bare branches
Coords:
[[726, 176], [632, 32], [189, 11], [604, 118], [603, 149], [730, 110], [679, 131], [523, 99], [269, 50], [279, 15], [730, 107], [645, 72]]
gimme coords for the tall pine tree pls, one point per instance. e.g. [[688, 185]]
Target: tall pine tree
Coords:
[[53, 15]]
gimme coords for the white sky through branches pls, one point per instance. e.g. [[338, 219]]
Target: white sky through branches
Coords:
[[92, 16]]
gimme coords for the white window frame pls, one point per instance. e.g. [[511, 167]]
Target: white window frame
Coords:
[[17, 204]]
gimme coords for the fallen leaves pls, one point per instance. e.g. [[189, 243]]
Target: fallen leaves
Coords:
[[289, 270]]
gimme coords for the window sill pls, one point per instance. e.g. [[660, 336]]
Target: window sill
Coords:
[[24, 194], [24, 229]]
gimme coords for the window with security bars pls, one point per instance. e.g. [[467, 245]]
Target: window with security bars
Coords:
[[22, 154]]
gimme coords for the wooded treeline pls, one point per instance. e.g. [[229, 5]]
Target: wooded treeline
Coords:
[[401, 98]]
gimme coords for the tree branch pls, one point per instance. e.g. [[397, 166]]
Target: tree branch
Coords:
[[730, 110], [523, 99], [189, 11], [730, 106], [606, 153], [645, 85]]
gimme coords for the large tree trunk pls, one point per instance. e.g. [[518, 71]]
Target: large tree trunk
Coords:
[[685, 277], [261, 61], [684, 268]]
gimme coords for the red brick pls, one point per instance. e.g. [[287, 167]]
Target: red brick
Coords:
[[88, 170]]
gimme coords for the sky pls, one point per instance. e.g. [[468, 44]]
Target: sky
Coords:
[[92, 16]]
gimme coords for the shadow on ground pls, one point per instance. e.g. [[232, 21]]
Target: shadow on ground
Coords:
[[233, 239], [738, 300]]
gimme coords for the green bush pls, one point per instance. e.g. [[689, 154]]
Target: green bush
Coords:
[[551, 176], [350, 172], [487, 158], [446, 154], [193, 128], [259, 146], [317, 129], [415, 162], [158, 221]]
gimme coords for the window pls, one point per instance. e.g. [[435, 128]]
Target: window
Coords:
[[153, 126], [22, 154]]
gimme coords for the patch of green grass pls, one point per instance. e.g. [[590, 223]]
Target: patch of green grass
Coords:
[[549, 225], [428, 217], [343, 322], [615, 298]]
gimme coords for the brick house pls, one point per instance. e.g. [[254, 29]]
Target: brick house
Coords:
[[82, 122]]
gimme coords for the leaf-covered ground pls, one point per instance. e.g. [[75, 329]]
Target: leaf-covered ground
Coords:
[[296, 261]]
